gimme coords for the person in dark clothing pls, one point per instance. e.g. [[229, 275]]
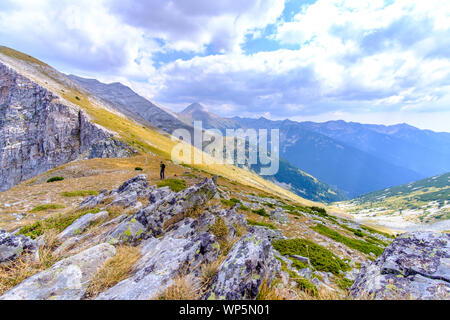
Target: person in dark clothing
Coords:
[[161, 173]]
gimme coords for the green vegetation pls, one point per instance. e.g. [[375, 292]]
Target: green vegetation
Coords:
[[262, 224], [261, 212], [175, 185], [359, 245], [190, 175], [343, 283], [321, 258], [48, 206], [80, 193], [230, 203], [219, 229], [53, 179], [138, 169], [59, 223], [298, 264]]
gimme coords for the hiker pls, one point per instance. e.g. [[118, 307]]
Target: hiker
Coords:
[[163, 167]]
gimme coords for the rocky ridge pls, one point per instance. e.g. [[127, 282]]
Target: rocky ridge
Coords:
[[180, 234], [39, 131]]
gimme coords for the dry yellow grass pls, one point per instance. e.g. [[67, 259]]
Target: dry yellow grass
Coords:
[[180, 289], [14, 272], [143, 138], [114, 270]]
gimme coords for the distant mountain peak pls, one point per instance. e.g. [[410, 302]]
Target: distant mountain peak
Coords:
[[195, 107]]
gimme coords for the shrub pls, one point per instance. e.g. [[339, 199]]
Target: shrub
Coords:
[[180, 289], [175, 185], [58, 223], [219, 229], [138, 169], [53, 179], [321, 258], [343, 283], [114, 270], [261, 212], [80, 193], [262, 224], [47, 206], [359, 245], [358, 233], [230, 203]]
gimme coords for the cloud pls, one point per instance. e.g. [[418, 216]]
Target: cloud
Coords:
[[361, 57], [197, 24], [315, 58]]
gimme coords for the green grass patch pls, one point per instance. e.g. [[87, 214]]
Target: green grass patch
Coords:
[[343, 283], [298, 264], [59, 223], [47, 206], [262, 212], [190, 175], [80, 193], [230, 203], [359, 245], [53, 179], [321, 258], [261, 224], [175, 185]]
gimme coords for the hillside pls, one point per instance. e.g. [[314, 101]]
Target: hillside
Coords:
[[142, 138], [337, 163], [422, 204], [104, 226], [288, 176]]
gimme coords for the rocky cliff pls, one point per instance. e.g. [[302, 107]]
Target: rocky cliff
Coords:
[[39, 131]]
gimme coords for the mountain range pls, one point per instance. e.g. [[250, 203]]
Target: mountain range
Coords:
[[352, 157]]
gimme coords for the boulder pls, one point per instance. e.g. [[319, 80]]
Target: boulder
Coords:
[[65, 280], [12, 246], [250, 262], [159, 216], [415, 265], [128, 231], [278, 215], [81, 224], [125, 196], [270, 234], [181, 251]]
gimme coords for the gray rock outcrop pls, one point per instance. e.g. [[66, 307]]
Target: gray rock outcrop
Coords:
[[39, 131], [250, 262], [415, 265], [181, 251], [81, 224], [12, 246], [65, 280]]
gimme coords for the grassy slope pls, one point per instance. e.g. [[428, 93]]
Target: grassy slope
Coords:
[[143, 138], [428, 197]]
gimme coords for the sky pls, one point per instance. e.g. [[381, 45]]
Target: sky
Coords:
[[374, 61]]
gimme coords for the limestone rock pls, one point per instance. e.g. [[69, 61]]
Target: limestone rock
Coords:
[[415, 265], [163, 259], [12, 246], [278, 215], [65, 280], [39, 131], [250, 261], [159, 216], [81, 224]]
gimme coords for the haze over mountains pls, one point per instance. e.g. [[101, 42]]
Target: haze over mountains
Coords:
[[346, 158], [147, 113], [355, 158]]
